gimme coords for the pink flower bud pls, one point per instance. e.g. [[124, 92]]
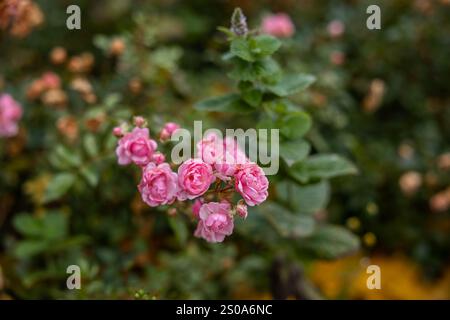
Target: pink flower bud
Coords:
[[158, 158], [167, 131], [335, 28], [117, 131], [241, 209], [139, 121]]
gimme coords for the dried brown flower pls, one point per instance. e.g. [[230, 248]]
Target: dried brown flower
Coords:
[[135, 85], [58, 55], [55, 98], [117, 47], [82, 85], [374, 97], [444, 161], [82, 63], [35, 89], [409, 182], [68, 127], [20, 17]]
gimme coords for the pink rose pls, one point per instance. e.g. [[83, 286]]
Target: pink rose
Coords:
[[231, 157], [251, 183], [210, 149], [194, 178], [158, 158], [215, 222], [214, 149], [224, 171], [137, 147], [10, 114], [196, 207], [241, 209], [224, 155], [158, 185], [335, 28], [168, 129], [233, 152], [278, 25]]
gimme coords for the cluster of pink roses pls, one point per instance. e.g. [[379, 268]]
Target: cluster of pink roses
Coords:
[[219, 163], [10, 114]]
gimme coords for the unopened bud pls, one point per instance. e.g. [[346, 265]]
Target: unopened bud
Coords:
[[139, 121], [239, 23]]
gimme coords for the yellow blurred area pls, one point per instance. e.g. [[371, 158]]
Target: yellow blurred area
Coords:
[[400, 279]]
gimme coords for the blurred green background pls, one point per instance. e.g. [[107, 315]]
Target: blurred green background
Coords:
[[381, 99]]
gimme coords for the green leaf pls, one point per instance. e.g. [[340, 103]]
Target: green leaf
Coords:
[[67, 156], [263, 45], [304, 199], [295, 125], [293, 151], [266, 123], [266, 70], [90, 145], [330, 242], [255, 48], [69, 243], [291, 84], [55, 226], [112, 100], [240, 47], [52, 225], [29, 248], [58, 186], [226, 103], [257, 228], [252, 97], [286, 223], [90, 174], [28, 225], [322, 166], [102, 42], [227, 31]]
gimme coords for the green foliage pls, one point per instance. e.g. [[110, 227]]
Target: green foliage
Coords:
[[304, 199], [226, 103], [330, 242], [322, 166], [288, 225], [295, 125], [254, 48], [55, 190], [58, 186], [48, 233], [291, 84], [294, 150]]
